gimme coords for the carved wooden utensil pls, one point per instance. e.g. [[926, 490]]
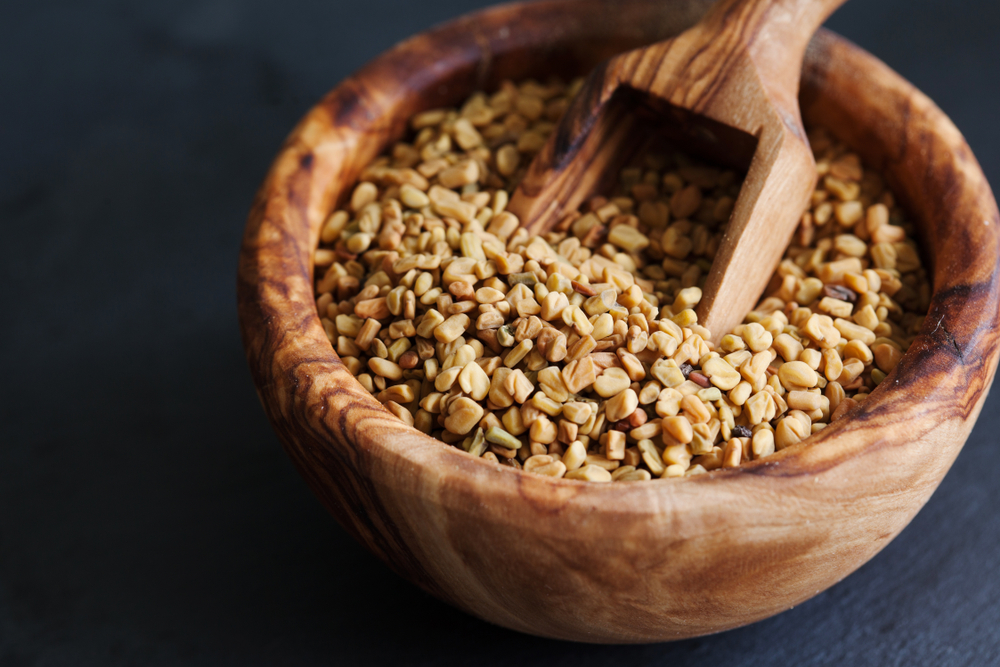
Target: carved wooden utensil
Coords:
[[736, 72]]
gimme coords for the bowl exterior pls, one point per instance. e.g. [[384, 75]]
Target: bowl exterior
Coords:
[[631, 562]]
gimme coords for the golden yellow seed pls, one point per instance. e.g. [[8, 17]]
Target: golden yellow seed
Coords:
[[464, 415], [694, 409], [721, 374], [762, 443], [611, 382], [621, 405], [474, 381], [851, 331], [821, 330], [385, 368], [614, 445], [412, 197], [543, 430], [575, 455], [804, 400], [886, 357], [835, 307], [756, 337], [740, 393], [834, 365], [797, 375], [679, 428], [451, 328], [758, 406], [589, 473], [544, 465]]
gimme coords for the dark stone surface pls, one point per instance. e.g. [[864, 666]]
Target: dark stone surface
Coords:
[[147, 513]]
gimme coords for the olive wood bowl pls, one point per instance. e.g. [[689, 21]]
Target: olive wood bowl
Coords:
[[622, 562]]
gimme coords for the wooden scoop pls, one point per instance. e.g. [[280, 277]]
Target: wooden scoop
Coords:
[[730, 85]]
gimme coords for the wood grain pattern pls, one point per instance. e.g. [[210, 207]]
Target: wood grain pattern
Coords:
[[739, 68], [630, 562]]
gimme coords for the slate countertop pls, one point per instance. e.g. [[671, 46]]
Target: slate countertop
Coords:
[[147, 513]]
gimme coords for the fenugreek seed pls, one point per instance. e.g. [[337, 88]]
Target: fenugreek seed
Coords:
[[797, 375], [581, 348], [804, 400], [887, 357], [628, 238], [662, 343], [451, 328], [366, 334], [505, 336], [575, 455], [568, 431], [589, 473], [456, 176], [821, 330], [699, 379], [400, 412], [474, 381], [679, 428], [385, 368], [621, 405], [500, 437], [762, 444], [364, 193], [412, 197], [834, 365], [667, 372], [645, 431], [577, 375], [528, 329], [577, 412], [687, 298], [756, 337], [852, 331], [721, 374], [446, 379], [507, 158], [489, 295], [789, 431], [614, 445], [544, 464], [517, 353], [546, 404], [709, 395], [464, 415], [398, 347], [579, 321], [399, 393], [333, 226], [685, 202], [835, 307], [611, 382]]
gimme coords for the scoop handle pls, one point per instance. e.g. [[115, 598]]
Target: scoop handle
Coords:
[[699, 70], [775, 34]]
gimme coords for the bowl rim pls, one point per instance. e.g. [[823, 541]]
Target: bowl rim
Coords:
[[280, 212]]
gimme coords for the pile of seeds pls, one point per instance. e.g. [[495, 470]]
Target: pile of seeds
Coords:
[[578, 353]]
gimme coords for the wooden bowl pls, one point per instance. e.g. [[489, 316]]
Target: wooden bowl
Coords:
[[627, 562]]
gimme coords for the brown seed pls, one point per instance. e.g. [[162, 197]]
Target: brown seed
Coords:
[[700, 379], [840, 292], [583, 288]]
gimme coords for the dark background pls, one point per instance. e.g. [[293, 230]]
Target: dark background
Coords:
[[147, 513]]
